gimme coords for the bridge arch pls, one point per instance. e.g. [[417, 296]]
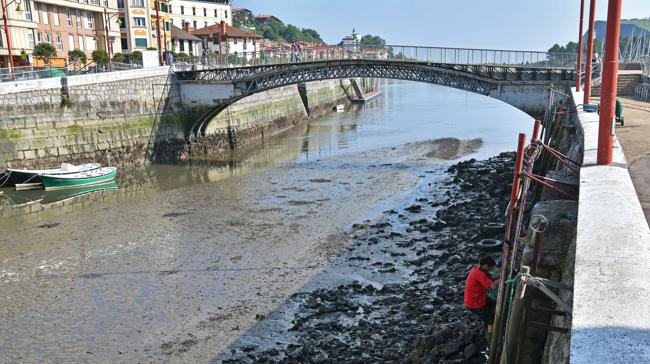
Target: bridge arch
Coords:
[[525, 87]]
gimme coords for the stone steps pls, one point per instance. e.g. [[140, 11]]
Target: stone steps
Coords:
[[626, 85]]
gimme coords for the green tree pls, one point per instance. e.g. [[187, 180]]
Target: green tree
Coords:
[[311, 35], [100, 57], [292, 33], [45, 51], [77, 55], [372, 41], [136, 57], [119, 58]]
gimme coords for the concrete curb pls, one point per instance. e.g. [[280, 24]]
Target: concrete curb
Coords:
[[611, 301]]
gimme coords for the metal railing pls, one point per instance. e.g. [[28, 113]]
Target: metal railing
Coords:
[[645, 66], [282, 55], [34, 73]]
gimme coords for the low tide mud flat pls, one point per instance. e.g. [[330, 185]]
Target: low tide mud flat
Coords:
[[269, 256], [395, 294]]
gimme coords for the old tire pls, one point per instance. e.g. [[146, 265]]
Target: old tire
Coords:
[[490, 245]]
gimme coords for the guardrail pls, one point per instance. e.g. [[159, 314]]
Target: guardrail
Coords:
[[35, 73], [645, 66], [282, 55]]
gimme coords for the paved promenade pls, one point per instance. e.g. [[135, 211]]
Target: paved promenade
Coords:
[[635, 140]]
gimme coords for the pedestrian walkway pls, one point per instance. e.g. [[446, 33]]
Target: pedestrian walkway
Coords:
[[635, 140]]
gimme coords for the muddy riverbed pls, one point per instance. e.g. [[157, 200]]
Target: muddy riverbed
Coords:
[[396, 293], [280, 253]]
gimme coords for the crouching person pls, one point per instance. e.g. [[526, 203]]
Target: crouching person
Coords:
[[479, 280]]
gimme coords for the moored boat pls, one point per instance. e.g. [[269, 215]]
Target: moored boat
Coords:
[[14, 176], [81, 179]]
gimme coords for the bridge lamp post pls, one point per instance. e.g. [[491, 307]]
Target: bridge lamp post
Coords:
[[579, 68], [609, 84], [107, 24], [19, 9], [590, 50]]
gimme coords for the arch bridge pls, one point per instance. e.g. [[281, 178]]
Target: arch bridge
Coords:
[[525, 85]]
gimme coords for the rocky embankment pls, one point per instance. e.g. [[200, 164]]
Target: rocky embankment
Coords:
[[407, 305]]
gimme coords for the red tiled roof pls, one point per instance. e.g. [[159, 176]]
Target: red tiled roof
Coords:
[[230, 30]]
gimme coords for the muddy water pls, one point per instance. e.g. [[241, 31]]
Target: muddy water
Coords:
[[180, 261]]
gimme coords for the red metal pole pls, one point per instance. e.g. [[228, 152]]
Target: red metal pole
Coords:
[[536, 130], [108, 44], [514, 194], [579, 68], [160, 58], [609, 85], [590, 50], [7, 31]]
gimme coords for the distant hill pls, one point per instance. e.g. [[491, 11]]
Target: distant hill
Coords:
[[629, 28]]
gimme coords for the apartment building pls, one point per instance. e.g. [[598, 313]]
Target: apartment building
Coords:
[[200, 13], [21, 33], [76, 24], [140, 21]]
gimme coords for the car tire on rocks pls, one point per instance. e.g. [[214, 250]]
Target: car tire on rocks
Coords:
[[489, 245]]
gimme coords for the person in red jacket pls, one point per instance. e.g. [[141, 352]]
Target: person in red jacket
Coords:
[[479, 280]]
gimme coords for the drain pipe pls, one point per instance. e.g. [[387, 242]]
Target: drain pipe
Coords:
[[610, 82], [590, 51], [579, 68]]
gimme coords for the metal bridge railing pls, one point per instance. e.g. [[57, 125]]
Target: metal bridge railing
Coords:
[[285, 55]]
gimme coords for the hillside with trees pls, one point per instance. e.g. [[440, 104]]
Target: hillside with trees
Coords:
[[277, 31]]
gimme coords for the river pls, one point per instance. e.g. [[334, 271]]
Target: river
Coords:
[[180, 261]]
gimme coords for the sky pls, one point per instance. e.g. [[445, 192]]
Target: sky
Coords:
[[495, 24]]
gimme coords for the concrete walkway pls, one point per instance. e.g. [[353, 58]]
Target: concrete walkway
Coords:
[[635, 140]]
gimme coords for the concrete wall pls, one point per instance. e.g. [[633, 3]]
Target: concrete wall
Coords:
[[100, 116], [531, 99], [611, 292]]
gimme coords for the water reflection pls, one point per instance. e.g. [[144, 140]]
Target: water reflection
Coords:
[[406, 112]]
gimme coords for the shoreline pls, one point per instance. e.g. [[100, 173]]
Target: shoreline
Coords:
[[396, 290]]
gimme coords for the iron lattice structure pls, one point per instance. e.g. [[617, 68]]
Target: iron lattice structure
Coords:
[[480, 79]]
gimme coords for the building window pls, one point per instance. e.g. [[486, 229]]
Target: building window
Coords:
[[164, 8], [78, 14], [141, 42], [122, 23], [139, 22], [28, 13], [205, 24], [205, 12], [45, 16], [182, 45], [194, 24], [193, 11], [48, 38], [68, 15], [215, 13], [168, 26], [90, 44], [139, 3], [39, 37], [30, 40], [120, 4], [225, 14], [71, 41], [59, 43], [125, 43], [81, 43], [182, 10], [55, 15], [89, 20], [105, 3]]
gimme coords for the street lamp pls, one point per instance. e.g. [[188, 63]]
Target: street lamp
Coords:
[[19, 9], [107, 22]]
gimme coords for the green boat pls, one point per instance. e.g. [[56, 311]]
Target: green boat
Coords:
[[55, 196], [76, 180]]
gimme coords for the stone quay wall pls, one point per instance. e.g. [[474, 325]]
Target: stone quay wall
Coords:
[[136, 116], [108, 117]]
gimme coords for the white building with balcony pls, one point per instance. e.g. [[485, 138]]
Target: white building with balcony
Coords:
[[200, 13]]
